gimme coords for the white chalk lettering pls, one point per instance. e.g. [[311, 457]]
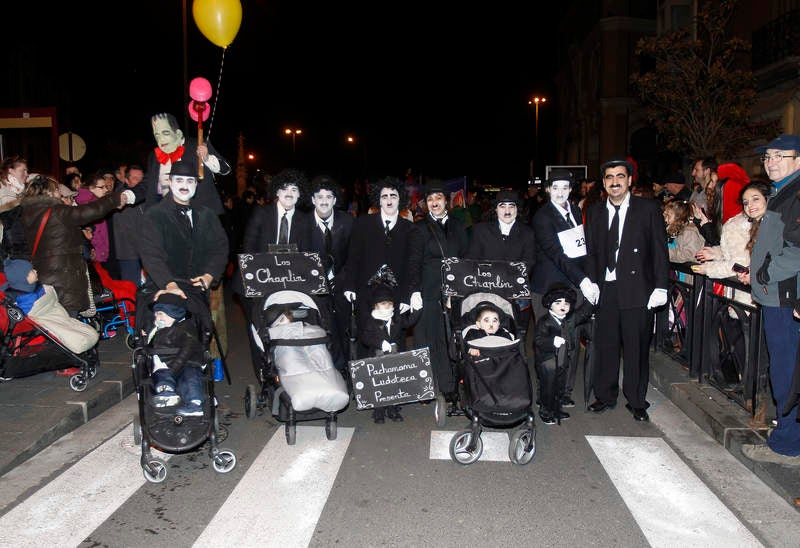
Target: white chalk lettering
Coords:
[[383, 370], [497, 283], [380, 398], [394, 379], [263, 275]]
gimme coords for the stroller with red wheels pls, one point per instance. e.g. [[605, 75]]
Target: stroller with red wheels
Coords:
[[494, 383], [165, 427]]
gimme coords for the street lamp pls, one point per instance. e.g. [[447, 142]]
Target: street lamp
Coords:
[[294, 132], [536, 101]]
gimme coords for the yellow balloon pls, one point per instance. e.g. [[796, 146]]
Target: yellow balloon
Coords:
[[218, 20]]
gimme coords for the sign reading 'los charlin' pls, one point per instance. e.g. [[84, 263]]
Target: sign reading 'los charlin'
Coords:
[[266, 273], [392, 379], [507, 279]]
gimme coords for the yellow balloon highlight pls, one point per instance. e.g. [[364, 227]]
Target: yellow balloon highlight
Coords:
[[218, 20]]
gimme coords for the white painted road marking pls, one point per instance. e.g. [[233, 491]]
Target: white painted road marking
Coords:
[[280, 499], [669, 502], [495, 445], [66, 511]]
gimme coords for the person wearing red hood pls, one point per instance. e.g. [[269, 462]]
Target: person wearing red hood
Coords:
[[722, 195]]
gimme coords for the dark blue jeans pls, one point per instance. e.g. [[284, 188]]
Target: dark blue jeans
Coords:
[[781, 330], [189, 382]]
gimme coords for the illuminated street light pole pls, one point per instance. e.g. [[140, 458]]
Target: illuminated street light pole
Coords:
[[536, 101], [294, 132]]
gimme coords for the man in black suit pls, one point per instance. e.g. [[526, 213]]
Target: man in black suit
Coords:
[[560, 255], [505, 239], [276, 223], [330, 237], [627, 257], [384, 238], [172, 147]]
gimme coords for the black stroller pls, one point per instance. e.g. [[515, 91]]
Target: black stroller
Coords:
[[162, 427], [296, 375]]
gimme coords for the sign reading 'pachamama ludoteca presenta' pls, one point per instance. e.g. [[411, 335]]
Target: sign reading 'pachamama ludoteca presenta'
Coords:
[[507, 279], [266, 273], [392, 379]]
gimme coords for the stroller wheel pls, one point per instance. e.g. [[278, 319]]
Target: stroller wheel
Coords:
[[330, 428], [155, 471], [250, 402], [459, 448], [137, 430], [224, 461], [78, 382], [440, 410], [518, 450], [291, 434], [130, 341]]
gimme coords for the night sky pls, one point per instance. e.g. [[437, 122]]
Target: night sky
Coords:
[[436, 87]]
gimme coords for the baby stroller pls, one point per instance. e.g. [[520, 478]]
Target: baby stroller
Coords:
[[296, 375], [115, 307], [52, 341], [494, 387], [164, 428]]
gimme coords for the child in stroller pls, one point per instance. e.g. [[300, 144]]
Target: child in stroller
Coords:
[[297, 376], [172, 366], [495, 386]]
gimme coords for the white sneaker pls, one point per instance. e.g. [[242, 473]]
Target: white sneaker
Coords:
[[166, 398], [762, 453]]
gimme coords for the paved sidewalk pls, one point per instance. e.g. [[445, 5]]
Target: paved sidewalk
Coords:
[[36, 411]]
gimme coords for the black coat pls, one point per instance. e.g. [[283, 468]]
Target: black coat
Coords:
[[178, 346], [262, 229], [439, 243], [642, 259], [552, 264], [170, 251], [207, 193], [340, 241], [374, 331], [488, 243]]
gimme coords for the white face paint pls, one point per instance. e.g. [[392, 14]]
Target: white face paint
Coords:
[[323, 201], [182, 188], [288, 196], [560, 308], [559, 192]]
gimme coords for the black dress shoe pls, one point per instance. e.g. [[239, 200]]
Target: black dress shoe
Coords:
[[639, 414], [377, 415], [599, 406], [393, 412]]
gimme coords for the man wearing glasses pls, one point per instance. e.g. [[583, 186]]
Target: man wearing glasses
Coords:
[[774, 287], [626, 246]]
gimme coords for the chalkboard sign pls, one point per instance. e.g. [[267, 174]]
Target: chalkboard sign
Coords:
[[392, 379], [507, 279], [266, 273]]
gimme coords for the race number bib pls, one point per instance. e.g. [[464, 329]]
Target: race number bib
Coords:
[[573, 241]]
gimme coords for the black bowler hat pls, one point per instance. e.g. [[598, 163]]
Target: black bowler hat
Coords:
[[436, 186], [560, 174], [615, 161], [182, 169], [507, 196]]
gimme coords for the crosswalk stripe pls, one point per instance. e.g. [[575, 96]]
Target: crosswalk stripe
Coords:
[[672, 506], [281, 496], [495, 446], [61, 515]]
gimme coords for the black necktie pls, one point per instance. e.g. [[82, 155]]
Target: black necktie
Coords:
[[613, 240], [185, 215], [386, 232], [283, 234], [569, 220], [327, 237]]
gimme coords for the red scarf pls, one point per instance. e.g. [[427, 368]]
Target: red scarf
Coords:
[[164, 157]]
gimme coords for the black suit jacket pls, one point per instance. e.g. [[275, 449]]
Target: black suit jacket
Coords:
[[207, 194], [262, 229], [340, 240], [552, 265], [642, 260], [488, 243]]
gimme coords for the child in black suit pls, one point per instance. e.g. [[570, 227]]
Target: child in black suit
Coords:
[[384, 332], [555, 339]]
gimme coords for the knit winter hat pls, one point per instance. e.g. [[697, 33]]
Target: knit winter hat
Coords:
[[17, 273], [172, 305]]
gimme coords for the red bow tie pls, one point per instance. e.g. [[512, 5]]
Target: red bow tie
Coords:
[[164, 157]]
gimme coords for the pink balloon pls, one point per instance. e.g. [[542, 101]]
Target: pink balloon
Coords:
[[200, 89], [193, 110]]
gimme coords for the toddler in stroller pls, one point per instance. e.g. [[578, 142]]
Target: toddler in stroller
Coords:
[[177, 407], [495, 386], [296, 372], [39, 334]]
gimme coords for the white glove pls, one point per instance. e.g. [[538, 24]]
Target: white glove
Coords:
[[657, 298], [558, 341], [416, 300], [130, 197], [386, 346], [350, 296], [404, 308], [590, 290]]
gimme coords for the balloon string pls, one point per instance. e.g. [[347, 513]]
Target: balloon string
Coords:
[[219, 85]]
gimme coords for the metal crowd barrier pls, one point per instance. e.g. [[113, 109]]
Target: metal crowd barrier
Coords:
[[719, 340]]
